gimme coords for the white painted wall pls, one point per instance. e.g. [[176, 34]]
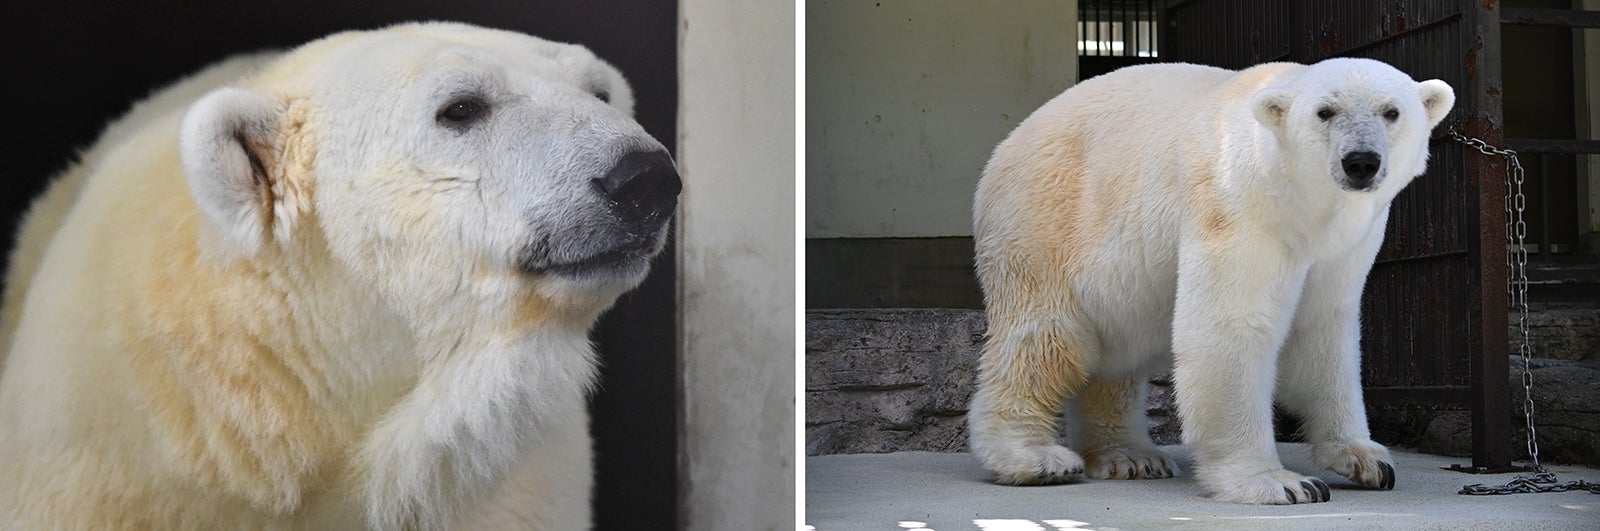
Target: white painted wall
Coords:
[[905, 99], [736, 262]]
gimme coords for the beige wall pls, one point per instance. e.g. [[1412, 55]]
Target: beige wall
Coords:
[[905, 99], [736, 262]]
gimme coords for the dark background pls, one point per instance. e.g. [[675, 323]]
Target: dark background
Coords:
[[74, 66]]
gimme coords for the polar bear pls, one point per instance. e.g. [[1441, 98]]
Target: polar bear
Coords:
[[344, 286], [1218, 222]]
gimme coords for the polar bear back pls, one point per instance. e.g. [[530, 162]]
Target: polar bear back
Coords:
[[44, 216], [1110, 173]]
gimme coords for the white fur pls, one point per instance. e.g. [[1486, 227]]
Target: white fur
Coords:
[[218, 136], [352, 331], [1202, 216]]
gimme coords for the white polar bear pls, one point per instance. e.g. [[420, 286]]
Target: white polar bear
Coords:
[[345, 286], [1219, 221]]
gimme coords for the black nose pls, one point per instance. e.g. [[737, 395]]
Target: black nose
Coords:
[[1360, 166], [643, 185]]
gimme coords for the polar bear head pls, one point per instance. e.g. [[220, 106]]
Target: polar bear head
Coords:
[[435, 158], [1358, 123]]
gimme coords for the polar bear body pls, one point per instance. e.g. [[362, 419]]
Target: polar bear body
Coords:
[[347, 285], [1217, 222]]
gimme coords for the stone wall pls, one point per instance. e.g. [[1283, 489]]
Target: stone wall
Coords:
[[889, 380], [1566, 398], [1560, 332]]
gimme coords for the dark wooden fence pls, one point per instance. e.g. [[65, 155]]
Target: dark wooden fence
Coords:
[[1434, 310]]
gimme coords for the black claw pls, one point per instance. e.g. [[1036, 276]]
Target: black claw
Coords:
[[1322, 488], [1290, 493], [1388, 476]]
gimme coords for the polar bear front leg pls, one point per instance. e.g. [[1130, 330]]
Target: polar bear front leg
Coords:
[[1116, 432], [1319, 375], [1027, 372], [1233, 311], [477, 410]]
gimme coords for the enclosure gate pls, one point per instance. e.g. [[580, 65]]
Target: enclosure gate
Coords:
[[1433, 316]]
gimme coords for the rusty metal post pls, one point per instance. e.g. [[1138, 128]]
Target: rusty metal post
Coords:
[[1480, 101]]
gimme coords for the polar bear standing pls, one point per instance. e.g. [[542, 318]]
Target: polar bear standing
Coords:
[[345, 286], [1221, 221]]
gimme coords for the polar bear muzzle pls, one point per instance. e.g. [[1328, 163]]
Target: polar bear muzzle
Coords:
[[643, 189], [1360, 169], [640, 192]]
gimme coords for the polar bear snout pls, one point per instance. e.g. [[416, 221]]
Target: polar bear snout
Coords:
[[642, 187], [1361, 169], [623, 227]]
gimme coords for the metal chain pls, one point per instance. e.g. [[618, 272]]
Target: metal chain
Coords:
[[1542, 480]]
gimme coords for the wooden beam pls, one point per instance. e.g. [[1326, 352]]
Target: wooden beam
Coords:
[[1533, 16]]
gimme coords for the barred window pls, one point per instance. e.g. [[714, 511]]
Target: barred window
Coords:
[[1118, 28]]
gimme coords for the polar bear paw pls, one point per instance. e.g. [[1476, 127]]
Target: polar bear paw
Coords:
[[1121, 462], [1365, 462], [1271, 487], [1036, 465]]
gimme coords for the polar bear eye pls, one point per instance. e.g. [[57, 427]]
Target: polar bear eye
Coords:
[[462, 112], [603, 95], [1392, 114], [1325, 114]]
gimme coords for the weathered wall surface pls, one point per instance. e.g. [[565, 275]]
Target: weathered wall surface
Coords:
[[736, 263], [893, 380], [905, 99]]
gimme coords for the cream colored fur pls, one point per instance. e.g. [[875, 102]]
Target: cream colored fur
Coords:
[[1200, 219], [296, 304]]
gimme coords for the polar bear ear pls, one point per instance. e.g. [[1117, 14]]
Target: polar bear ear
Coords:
[[1271, 105], [1437, 98], [226, 142]]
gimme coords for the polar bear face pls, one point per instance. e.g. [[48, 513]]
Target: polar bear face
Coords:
[[437, 156], [1356, 123]]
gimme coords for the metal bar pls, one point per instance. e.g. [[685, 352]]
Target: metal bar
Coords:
[[1557, 146], [1481, 115], [1123, 9], [1099, 30], [1534, 16], [1149, 45], [1088, 23], [1544, 209], [1414, 258]]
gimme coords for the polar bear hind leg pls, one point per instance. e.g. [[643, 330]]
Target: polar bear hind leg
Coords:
[[1116, 433], [1028, 370]]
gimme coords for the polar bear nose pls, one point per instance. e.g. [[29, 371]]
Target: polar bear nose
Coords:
[[644, 186], [1360, 166]]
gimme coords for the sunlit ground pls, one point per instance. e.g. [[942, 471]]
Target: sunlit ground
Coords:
[[1023, 524], [951, 492]]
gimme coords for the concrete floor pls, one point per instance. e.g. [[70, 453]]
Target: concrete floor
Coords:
[[950, 492]]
